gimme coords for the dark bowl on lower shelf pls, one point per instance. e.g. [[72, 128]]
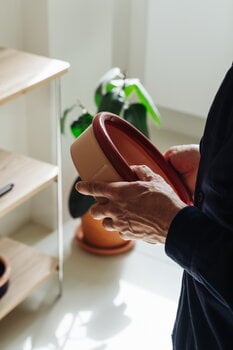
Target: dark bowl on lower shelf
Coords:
[[4, 275]]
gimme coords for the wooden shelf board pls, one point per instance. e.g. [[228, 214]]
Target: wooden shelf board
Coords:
[[29, 268], [28, 175], [22, 71]]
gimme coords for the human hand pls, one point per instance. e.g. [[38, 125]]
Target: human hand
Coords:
[[142, 209], [185, 160]]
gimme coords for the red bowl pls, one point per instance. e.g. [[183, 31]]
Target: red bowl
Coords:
[[107, 149]]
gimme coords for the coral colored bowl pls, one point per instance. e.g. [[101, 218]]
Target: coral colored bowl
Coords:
[[107, 148], [4, 275]]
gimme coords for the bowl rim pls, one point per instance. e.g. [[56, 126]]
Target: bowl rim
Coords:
[[101, 120], [7, 270]]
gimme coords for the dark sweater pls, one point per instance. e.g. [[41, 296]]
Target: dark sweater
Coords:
[[200, 238]]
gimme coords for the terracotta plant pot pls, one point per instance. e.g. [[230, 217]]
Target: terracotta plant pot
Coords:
[[106, 150], [4, 275], [92, 236]]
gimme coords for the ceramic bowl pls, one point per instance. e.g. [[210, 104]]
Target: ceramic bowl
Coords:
[[107, 148], [4, 275]]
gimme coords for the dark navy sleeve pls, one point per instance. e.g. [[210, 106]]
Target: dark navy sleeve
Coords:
[[205, 250], [200, 237]]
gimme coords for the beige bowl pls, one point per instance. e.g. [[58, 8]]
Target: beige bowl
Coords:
[[90, 160], [107, 148]]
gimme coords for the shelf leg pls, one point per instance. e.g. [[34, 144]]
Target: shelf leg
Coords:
[[59, 185]]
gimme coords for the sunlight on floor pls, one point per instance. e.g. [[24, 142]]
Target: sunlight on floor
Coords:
[[120, 302], [137, 319]]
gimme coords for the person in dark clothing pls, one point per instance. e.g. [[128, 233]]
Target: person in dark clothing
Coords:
[[200, 237]]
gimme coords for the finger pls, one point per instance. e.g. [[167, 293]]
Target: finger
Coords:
[[126, 236], [171, 151], [108, 224], [143, 172], [98, 212], [101, 211], [96, 189], [167, 155], [102, 200]]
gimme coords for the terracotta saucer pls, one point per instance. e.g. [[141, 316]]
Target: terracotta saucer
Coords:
[[101, 251]]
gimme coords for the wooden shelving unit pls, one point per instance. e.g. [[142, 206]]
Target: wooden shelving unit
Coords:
[[28, 175], [29, 268], [20, 72]]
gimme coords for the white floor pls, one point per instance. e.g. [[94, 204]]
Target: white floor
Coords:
[[120, 302]]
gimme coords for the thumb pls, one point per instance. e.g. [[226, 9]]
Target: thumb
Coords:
[[171, 153], [143, 172]]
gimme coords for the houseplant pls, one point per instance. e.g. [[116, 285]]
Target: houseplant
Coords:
[[122, 96]]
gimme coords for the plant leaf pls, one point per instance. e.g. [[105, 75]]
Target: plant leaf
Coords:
[[63, 117], [146, 99], [108, 76], [81, 124], [137, 116], [78, 204], [135, 86], [98, 95], [113, 101], [111, 85]]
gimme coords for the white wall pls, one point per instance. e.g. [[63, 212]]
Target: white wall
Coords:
[[189, 49], [40, 108], [138, 23], [11, 23], [81, 34], [181, 51]]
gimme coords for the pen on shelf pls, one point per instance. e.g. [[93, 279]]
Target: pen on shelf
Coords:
[[5, 189]]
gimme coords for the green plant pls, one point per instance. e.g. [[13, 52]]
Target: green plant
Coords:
[[117, 94]]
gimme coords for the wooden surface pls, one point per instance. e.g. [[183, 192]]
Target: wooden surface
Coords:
[[21, 71], [28, 175], [29, 268]]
